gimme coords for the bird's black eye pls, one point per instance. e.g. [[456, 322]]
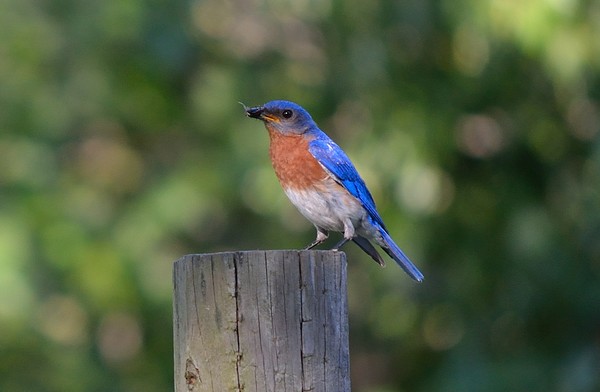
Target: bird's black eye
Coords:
[[287, 113]]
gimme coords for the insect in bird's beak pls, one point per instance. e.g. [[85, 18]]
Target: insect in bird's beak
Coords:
[[254, 112]]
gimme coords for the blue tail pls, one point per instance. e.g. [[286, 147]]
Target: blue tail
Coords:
[[396, 253]]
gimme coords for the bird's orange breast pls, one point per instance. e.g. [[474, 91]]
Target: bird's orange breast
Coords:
[[294, 165]]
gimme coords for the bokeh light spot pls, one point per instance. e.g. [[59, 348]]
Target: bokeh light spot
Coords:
[[64, 320], [119, 337], [480, 136], [425, 189]]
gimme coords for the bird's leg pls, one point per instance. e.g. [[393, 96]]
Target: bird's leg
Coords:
[[321, 236], [348, 234]]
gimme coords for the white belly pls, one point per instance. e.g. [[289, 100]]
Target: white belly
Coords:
[[328, 206]]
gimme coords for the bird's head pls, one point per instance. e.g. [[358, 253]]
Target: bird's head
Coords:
[[284, 117]]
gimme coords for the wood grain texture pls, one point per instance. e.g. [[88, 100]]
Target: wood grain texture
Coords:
[[261, 321]]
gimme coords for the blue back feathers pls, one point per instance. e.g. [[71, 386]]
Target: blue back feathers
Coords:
[[335, 160]]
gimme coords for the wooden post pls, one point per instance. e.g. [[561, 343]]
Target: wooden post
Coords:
[[261, 321]]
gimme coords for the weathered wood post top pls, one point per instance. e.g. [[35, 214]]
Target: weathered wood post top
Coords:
[[261, 321]]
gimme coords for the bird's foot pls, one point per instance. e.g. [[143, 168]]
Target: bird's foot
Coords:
[[312, 244], [321, 237], [348, 234], [340, 244]]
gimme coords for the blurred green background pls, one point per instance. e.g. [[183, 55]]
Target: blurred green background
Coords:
[[475, 123]]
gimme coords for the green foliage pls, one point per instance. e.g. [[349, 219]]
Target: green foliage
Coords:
[[475, 123]]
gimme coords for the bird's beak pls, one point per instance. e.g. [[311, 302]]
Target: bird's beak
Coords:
[[255, 112]]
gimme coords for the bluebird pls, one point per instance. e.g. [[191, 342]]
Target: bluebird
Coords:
[[323, 184]]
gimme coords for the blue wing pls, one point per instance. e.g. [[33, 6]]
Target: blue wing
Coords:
[[331, 156], [335, 160]]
